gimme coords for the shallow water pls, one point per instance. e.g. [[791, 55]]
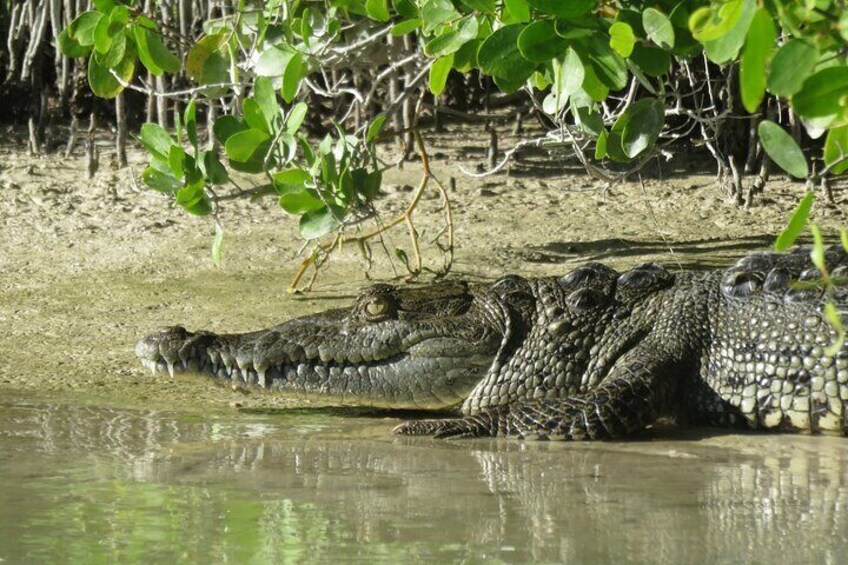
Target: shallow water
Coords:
[[92, 484]]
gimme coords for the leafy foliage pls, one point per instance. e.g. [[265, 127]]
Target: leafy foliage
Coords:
[[608, 75]]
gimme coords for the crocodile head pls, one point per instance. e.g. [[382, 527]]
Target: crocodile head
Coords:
[[409, 348]]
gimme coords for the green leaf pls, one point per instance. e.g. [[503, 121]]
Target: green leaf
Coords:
[[592, 85], [104, 6], [178, 125], [156, 140], [716, 21], [590, 121], [117, 51], [622, 38], [103, 84], [601, 146], [842, 26], [727, 46], [570, 31], [439, 71], [609, 67], [436, 12], [82, 28], [227, 126], [452, 38], [118, 19], [274, 61], [254, 117], [782, 149], [175, 161], [796, 224], [653, 61], [205, 63], [291, 78], [296, 116], [377, 10], [162, 182], [539, 42], [752, 71], [194, 199], [499, 55], [266, 99], [843, 237], [564, 8], [658, 28], [144, 21], [70, 47], [102, 39], [507, 85], [153, 54], [568, 78], [190, 119], [836, 150], [217, 241], [823, 94], [639, 126], [317, 223], [213, 171], [375, 127], [247, 150], [405, 27], [301, 201], [406, 9], [290, 180], [516, 11], [367, 184], [466, 58], [791, 66], [484, 6], [817, 249]]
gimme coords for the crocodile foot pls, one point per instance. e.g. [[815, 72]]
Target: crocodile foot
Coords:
[[450, 428]]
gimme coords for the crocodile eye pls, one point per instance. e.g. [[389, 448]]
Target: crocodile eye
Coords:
[[377, 307]]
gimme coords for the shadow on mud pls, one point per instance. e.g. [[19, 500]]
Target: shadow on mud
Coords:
[[690, 255]]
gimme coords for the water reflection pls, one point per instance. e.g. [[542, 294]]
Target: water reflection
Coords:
[[94, 484]]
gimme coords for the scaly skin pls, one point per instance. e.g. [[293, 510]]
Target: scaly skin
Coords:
[[590, 355]]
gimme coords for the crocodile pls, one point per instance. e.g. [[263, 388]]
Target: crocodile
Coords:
[[593, 354]]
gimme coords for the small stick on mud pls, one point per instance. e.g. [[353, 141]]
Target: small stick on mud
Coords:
[[72, 136], [91, 157], [826, 192], [518, 128], [492, 152], [437, 119], [736, 186], [121, 125], [34, 148]]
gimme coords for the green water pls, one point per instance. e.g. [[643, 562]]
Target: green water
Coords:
[[85, 484]]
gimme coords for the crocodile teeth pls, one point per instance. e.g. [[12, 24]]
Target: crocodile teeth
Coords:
[[260, 378], [152, 366], [325, 354], [170, 369]]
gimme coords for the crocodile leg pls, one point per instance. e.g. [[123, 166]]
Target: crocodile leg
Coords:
[[637, 391]]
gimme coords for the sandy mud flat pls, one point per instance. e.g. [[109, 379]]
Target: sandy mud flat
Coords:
[[88, 266]]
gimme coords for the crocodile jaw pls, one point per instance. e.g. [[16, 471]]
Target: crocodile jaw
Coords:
[[428, 371]]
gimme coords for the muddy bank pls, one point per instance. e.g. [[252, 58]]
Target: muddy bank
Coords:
[[89, 266]]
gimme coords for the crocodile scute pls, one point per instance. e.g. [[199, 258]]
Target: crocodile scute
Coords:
[[592, 354]]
